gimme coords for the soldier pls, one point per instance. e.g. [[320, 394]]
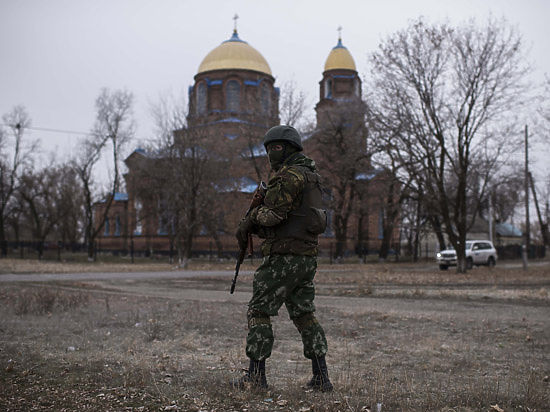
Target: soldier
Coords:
[[290, 221]]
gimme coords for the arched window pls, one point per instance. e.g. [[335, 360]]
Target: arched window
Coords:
[[118, 226], [265, 98], [201, 98], [107, 230], [328, 88], [357, 88], [232, 96]]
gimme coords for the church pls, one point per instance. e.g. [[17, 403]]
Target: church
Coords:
[[232, 103]]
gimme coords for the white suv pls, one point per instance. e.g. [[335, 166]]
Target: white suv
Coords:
[[478, 252]]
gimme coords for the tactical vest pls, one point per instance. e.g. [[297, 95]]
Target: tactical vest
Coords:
[[309, 220]]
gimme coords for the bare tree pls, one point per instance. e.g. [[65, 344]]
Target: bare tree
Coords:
[[505, 194], [543, 224], [339, 148], [252, 153], [544, 107], [182, 179], [293, 105], [15, 153], [446, 94], [413, 222], [39, 191], [114, 128], [70, 205], [544, 116]]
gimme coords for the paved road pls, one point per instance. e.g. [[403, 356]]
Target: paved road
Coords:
[[43, 277], [180, 274]]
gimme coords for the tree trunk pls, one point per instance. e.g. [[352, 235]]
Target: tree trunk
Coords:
[[417, 225], [359, 244], [387, 235], [40, 249], [388, 222], [171, 256], [436, 225], [91, 250], [416, 244], [340, 229], [461, 266], [3, 242], [188, 245]]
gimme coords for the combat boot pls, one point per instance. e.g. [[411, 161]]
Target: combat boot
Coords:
[[320, 380], [254, 377]]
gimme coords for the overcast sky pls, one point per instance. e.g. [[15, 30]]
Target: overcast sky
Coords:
[[56, 55]]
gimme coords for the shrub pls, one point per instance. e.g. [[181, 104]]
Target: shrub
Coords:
[[48, 300]]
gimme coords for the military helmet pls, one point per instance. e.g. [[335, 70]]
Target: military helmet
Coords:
[[283, 133]]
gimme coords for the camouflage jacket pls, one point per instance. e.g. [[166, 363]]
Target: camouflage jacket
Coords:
[[284, 194]]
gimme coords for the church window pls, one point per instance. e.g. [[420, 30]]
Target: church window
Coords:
[[232, 96], [107, 231], [265, 98], [328, 88], [201, 98], [118, 226]]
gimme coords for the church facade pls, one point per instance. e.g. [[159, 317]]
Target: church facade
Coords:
[[232, 103]]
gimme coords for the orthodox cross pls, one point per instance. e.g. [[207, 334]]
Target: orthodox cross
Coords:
[[339, 29], [235, 17]]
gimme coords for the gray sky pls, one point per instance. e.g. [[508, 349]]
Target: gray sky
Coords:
[[57, 54]]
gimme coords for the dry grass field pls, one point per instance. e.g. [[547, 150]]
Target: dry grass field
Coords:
[[401, 336]]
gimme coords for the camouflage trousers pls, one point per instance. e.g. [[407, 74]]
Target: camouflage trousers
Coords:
[[284, 279]]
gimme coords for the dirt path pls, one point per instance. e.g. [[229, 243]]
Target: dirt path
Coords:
[[179, 285], [463, 310]]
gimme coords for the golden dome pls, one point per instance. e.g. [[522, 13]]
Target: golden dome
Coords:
[[340, 58], [234, 54]]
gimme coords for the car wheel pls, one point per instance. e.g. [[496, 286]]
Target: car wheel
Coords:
[[443, 267], [491, 262], [469, 263]]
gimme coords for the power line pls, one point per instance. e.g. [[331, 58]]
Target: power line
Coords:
[[45, 129]]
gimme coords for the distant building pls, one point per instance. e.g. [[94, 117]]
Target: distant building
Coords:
[[234, 100]]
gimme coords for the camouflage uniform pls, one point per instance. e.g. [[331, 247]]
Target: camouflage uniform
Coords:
[[288, 267]]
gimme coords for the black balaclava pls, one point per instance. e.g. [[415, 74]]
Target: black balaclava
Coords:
[[277, 158]]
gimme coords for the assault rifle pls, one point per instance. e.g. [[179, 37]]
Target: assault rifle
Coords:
[[257, 200]]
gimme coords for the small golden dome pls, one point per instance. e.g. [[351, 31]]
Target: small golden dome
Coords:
[[234, 54], [340, 58]]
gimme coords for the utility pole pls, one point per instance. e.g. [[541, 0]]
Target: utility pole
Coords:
[[526, 187], [491, 218]]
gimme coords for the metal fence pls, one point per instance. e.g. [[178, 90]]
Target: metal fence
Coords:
[[30, 249]]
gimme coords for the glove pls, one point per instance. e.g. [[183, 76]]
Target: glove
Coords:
[[245, 227]]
